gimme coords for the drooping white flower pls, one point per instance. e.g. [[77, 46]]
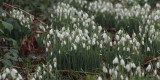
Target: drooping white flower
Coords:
[[115, 74], [3, 75], [111, 44], [157, 64], [148, 68], [77, 39], [133, 65], [7, 71], [51, 32], [128, 67], [33, 79], [93, 27], [99, 78], [148, 49], [13, 73], [155, 72], [104, 69], [117, 37], [127, 36], [115, 61], [139, 69], [122, 62], [122, 77]]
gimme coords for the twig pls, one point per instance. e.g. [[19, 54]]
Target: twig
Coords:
[[154, 59], [8, 5]]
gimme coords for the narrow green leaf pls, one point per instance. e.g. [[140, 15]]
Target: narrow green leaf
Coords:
[[7, 26], [7, 62], [1, 31]]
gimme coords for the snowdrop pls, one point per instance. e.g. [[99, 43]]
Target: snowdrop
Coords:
[[115, 61], [122, 62], [158, 65], [104, 69], [148, 68], [99, 78], [148, 49], [51, 31], [128, 67]]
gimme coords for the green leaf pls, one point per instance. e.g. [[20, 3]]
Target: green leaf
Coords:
[[6, 26], [1, 2], [13, 42], [1, 31], [7, 62], [1, 10]]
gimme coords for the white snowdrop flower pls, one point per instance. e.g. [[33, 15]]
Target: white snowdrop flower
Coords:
[[128, 49], [137, 44], [99, 28], [51, 32], [33, 79], [131, 42], [39, 68], [3, 75], [114, 42], [64, 42], [99, 78], [7, 71], [104, 69], [118, 48], [48, 36], [13, 73], [84, 45], [75, 47], [148, 68], [55, 64], [110, 71], [139, 69], [123, 39], [59, 51], [40, 77], [17, 79], [54, 60], [73, 20], [111, 44], [77, 39], [117, 67], [155, 72], [46, 49], [48, 44], [122, 62], [93, 27], [142, 42], [122, 77], [115, 61], [133, 65], [148, 49], [100, 45], [115, 74], [158, 77], [44, 72], [158, 65], [126, 78], [128, 67], [127, 36], [50, 67], [19, 76], [124, 48], [117, 37]]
